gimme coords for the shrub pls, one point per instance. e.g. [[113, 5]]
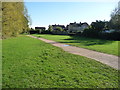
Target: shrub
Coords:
[[110, 36], [90, 33]]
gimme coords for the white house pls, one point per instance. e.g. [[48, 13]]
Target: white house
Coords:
[[77, 27]]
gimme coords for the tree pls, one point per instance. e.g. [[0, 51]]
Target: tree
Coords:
[[50, 29], [95, 29], [27, 16], [59, 29], [115, 18], [0, 19], [14, 19], [99, 25]]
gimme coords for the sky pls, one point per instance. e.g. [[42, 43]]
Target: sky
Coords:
[[44, 14]]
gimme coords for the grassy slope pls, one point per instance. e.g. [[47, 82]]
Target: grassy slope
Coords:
[[105, 46], [28, 62]]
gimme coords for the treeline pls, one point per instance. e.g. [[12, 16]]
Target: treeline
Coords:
[[14, 19]]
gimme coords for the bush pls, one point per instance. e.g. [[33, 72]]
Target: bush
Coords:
[[78, 33], [90, 33], [46, 32], [110, 36], [33, 32], [97, 34]]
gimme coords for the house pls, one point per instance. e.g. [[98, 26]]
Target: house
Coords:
[[39, 28], [55, 26], [84, 26], [56, 31], [77, 27]]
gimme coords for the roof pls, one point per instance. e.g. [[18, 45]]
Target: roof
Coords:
[[39, 27], [59, 26], [84, 23], [78, 23]]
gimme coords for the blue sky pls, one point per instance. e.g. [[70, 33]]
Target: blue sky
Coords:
[[49, 13]]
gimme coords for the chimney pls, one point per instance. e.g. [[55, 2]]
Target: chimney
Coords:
[[74, 22]]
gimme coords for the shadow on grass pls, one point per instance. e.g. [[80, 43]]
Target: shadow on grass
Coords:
[[86, 41]]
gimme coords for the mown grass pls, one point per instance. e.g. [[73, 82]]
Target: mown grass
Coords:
[[31, 63], [105, 46]]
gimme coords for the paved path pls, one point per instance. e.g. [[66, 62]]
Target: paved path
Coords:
[[110, 60]]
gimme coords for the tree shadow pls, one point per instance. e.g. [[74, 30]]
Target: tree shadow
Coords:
[[86, 41]]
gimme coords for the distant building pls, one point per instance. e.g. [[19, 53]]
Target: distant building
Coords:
[[77, 27], [55, 26], [40, 28], [57, 32]]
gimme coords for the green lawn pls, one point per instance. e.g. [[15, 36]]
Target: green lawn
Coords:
[[31, 63], [105, 46]]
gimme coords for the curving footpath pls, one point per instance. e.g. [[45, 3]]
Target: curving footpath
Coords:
[[107, 59]]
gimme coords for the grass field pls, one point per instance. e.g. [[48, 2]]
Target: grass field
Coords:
[[31, 63], [105, 46]]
